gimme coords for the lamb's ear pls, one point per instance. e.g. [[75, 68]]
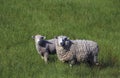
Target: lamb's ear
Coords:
[[68, 38], [43, 37], [33, 37], [55, 37]]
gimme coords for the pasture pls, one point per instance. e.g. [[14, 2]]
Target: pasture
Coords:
[[97, 20]]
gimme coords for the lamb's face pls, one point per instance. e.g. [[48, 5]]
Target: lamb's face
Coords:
[[61, 40], [38, 38]]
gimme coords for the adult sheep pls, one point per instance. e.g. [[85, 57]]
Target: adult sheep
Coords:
[[44, 47], [73, 51]]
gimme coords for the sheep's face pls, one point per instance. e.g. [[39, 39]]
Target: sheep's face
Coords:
[[38, 38], [61, 40]]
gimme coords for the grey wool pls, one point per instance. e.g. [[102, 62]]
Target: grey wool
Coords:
[[73, 51]]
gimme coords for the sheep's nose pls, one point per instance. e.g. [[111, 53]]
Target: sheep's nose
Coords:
[[62, 44]]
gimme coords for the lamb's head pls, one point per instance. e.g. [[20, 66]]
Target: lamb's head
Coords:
[[38, 38], [62, 41]]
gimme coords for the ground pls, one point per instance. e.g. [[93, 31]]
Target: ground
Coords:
[[97, 20]]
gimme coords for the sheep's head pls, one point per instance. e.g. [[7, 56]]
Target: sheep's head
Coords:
[[62, 40], [38, 38]]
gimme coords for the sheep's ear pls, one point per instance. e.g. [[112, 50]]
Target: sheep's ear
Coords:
[[33, 37], [55, 37], [43, 37]]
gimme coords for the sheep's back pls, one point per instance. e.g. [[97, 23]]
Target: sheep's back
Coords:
[[51, 45], [82, 48]]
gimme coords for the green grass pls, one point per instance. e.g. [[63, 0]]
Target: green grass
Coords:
[[97, 20]]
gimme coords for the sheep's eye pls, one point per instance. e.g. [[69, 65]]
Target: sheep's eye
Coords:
[[42, 37], [65, 39]]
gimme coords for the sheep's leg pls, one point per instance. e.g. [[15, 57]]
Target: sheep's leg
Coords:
[[71, 65], [95, 60], [42, 57], [72, 62], [40, 53], [46, 57]]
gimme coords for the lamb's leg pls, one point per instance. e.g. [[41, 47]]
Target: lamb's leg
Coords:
[[40, 53], [42, 57], [46, 57]]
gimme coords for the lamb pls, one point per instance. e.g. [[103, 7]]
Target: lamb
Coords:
[[44, 47], [74, 51]]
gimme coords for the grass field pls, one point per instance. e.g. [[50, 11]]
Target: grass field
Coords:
[[97, 20]]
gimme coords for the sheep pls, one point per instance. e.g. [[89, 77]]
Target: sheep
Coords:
[[76, 51], [44, 47]]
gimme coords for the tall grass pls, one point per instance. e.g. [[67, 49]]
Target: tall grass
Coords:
[[97, 20]]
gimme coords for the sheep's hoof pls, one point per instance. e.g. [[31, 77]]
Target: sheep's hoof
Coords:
[[63, 61], [71, 65], [96, 64]]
